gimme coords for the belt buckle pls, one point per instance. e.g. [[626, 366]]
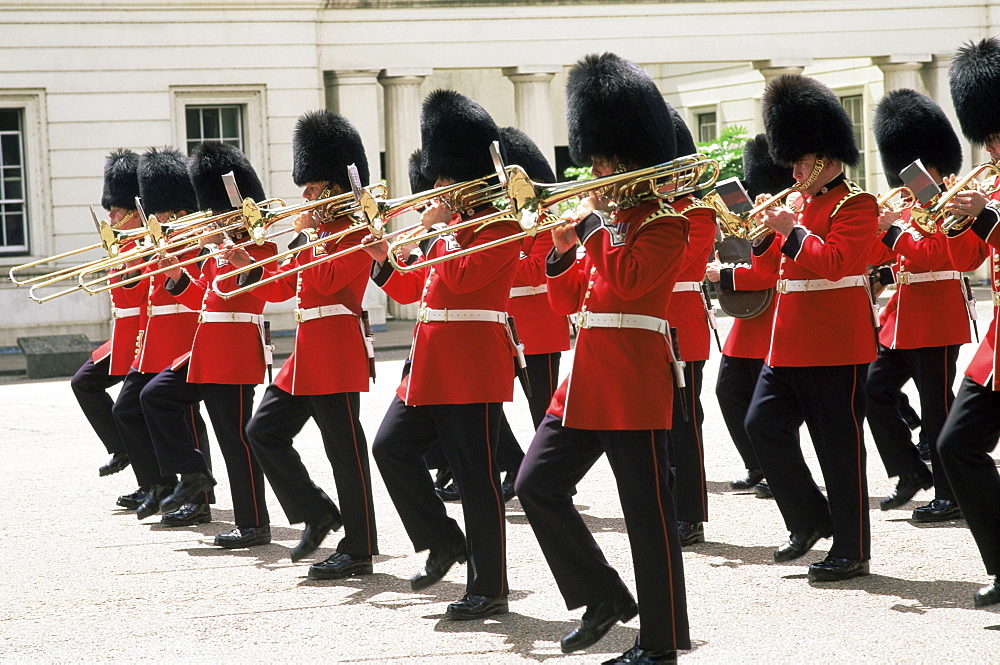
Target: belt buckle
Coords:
[[902, 277], [298, 315], [581, 319], [201, 316], [781, 286], [422, 315], [996, 299]]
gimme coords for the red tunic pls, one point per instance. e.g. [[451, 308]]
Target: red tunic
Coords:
[[125, 331], [624, 378], [540, 329], [933, 313], [687, 308], [165, 336], [982, 367], [832, 240], [460, 362], [751, 338], [230, 353], [331, 349]]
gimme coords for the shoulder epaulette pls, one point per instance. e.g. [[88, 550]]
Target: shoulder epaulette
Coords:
[[852, 191], [664, 210], [695, 204]]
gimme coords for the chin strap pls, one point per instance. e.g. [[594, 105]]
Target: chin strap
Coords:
[[817, 168]]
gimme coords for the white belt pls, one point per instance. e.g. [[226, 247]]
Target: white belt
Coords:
[[426, 315], [229, 317], [521, 291], [587, 319], [124, 312], [321, 312], [687, 286], [803, 285], [903, 277], [161, 310]]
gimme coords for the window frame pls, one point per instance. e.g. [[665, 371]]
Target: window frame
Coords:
[[39, 233], [851, 172]]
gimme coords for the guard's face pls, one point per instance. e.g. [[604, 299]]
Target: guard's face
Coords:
[[993, 147], [116, 215], [803, 168], [314, 190], [603, 166]]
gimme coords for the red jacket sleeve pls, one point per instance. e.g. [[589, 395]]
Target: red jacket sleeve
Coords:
[[474, 271], [848, 242], [637, 267]]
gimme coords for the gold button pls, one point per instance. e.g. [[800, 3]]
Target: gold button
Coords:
[[781, 272]]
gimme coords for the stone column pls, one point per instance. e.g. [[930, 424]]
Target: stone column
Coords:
[[533, 105], [775, 67], [402, 137], [902, 71], [355, 94]]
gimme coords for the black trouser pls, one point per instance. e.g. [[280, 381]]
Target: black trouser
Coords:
[[131, 421], [90, 385], [557, 460], [933, 372], [734, 389], [468, 434], [279, 418], [687, 449], [831, 402], [543, 377], [165, 401], [968, 437]]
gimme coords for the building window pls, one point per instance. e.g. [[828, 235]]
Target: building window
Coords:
[[13, 204], [854, 105], [222, 123], [707, 126]]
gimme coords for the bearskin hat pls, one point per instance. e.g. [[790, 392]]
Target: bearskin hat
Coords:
[[323, 146], [418, 183], [613, 109], [909, 126], [455, 137], [685, 142], [521, 150], [210, 161], [802, 116], [164, 183], [121, 184], [975, 77], [760, 174]]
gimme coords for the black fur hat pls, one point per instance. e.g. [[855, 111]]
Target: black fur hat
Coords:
[[760, 174], [121, 184], [455, 137], [975, 89], [685, 142], [210, 161], [521, 150], [418, 183], [164, 183], [324, 145], [908, 126], [613, 109], [802, 116]]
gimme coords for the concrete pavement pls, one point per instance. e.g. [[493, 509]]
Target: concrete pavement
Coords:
[[85, 581]]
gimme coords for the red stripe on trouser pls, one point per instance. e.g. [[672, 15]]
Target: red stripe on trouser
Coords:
[[250, 465], [666, 535], [496, 493], [361, 475]]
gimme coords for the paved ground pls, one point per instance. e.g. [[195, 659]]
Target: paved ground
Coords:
[[85, 581]]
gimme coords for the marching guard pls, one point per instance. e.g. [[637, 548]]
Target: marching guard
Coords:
[[224, 363], [110, 362], [329, 367], [823, 335], [622, 288], [926, 320], [461, 368]]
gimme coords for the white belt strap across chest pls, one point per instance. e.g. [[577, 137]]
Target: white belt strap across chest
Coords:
[[687, 286], [163, 310], [587, 319], [124, 312], [321, 312], [522, 291], [229, 317], [903, 277], [804, 285], [427, 315]]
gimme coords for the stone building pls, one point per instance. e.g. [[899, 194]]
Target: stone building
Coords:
[[79, 78]]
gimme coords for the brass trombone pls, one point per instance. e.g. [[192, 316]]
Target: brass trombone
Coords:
[[762, 230], [907, 200], [936, 218], [528, 200]]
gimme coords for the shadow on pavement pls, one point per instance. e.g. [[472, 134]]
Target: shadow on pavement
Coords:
[[935, 594]]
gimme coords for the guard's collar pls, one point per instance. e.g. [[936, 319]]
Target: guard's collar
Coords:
[[833, 183]]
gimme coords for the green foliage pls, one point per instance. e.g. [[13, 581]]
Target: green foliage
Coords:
[[577, 173], [727, 149]]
